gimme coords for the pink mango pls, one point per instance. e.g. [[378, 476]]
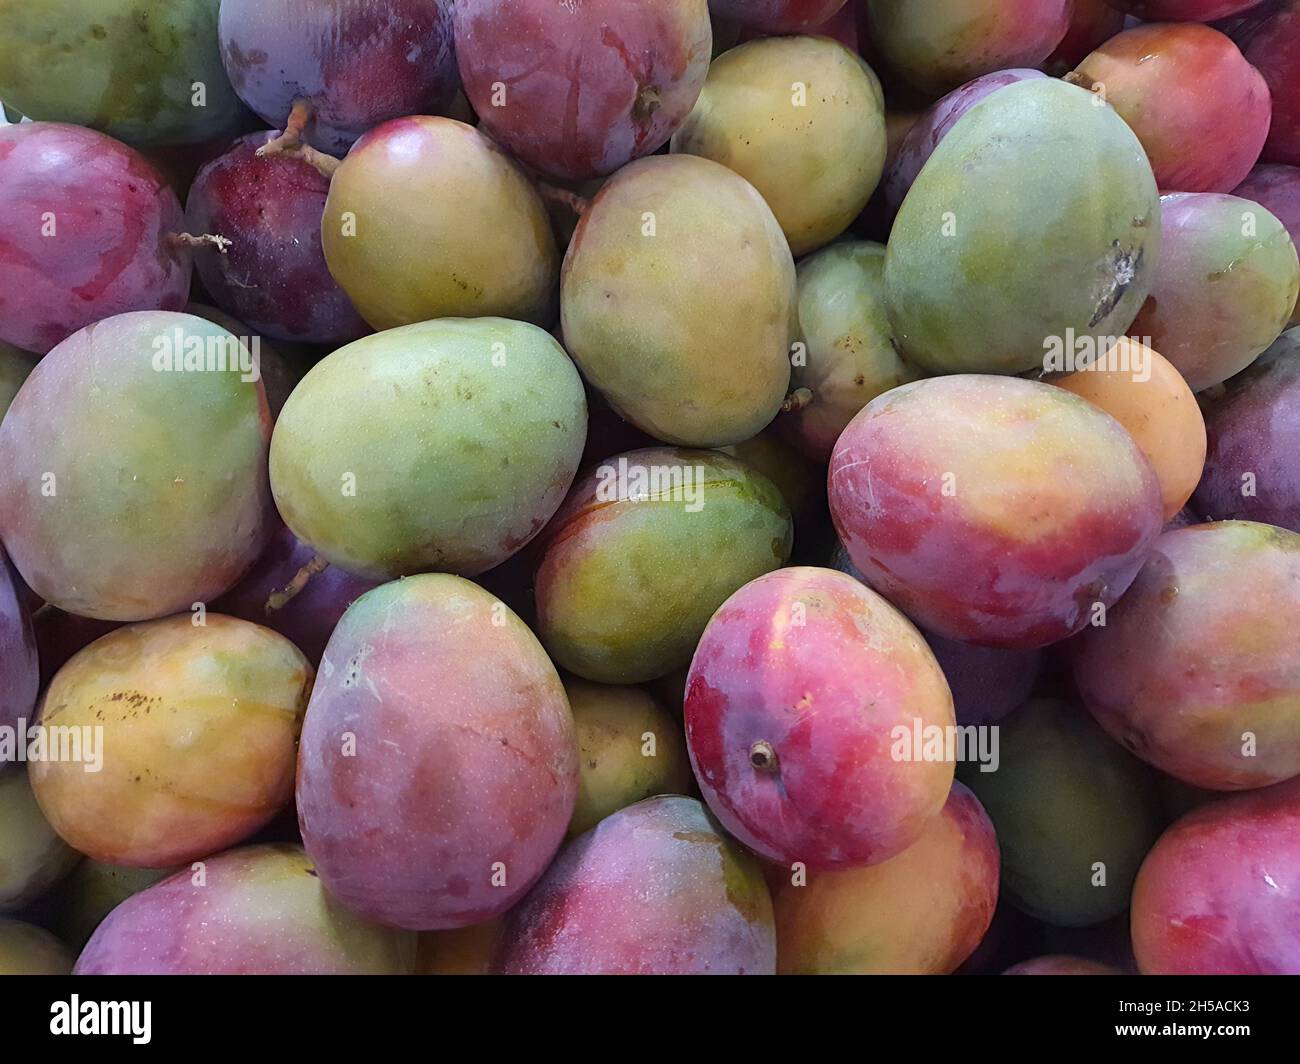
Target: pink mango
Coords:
[[654, 889], [1159, 77], [1197, 670], [795, 700], [993, 510], [259, 910], [438, 767], [1217, 893], [86, 227]]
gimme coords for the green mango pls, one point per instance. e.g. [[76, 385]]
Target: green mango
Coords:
[[444, 445], [1035, 223], [144, 71], [1075, 814]]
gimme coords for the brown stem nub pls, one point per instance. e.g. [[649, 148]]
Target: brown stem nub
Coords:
[[294, 128], [280, 599], [648, 101], [565, 198], [797, 400], [762, 756], [326, 165], [207, 240]]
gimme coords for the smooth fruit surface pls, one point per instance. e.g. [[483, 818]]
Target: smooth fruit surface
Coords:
[[848, 356], [803, 762], [492, 417], [1254, 433], [676, 299], [85, 233], [579, 90], [1155, 77], [32, 857], [654, 889], [1195, 671], [26, 949], [353, 63], [199, 727], [428, 218], [644, 549], [144, 72], [980, 281], [133, 468], [438, 765], [1142, 390], [273, 276], [922, 912], [1216, 894], [935, 45], [1226, 287], [259, 910], [968, 502], [1074, 814], [629, 748], [803, 120]]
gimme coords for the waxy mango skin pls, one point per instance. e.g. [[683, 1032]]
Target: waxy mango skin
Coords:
[[200, 726], [257, 910], [967, 502], [438, 770], [801, 762], [654, 889], [129, 492], [625, 585], [1196, 670]]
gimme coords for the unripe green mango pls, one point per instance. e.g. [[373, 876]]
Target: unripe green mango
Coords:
[[139, 70], [444, 445], [1035, 222]]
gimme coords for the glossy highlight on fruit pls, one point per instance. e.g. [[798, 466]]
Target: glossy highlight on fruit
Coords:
[[1216, 894], [1155, 77]]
